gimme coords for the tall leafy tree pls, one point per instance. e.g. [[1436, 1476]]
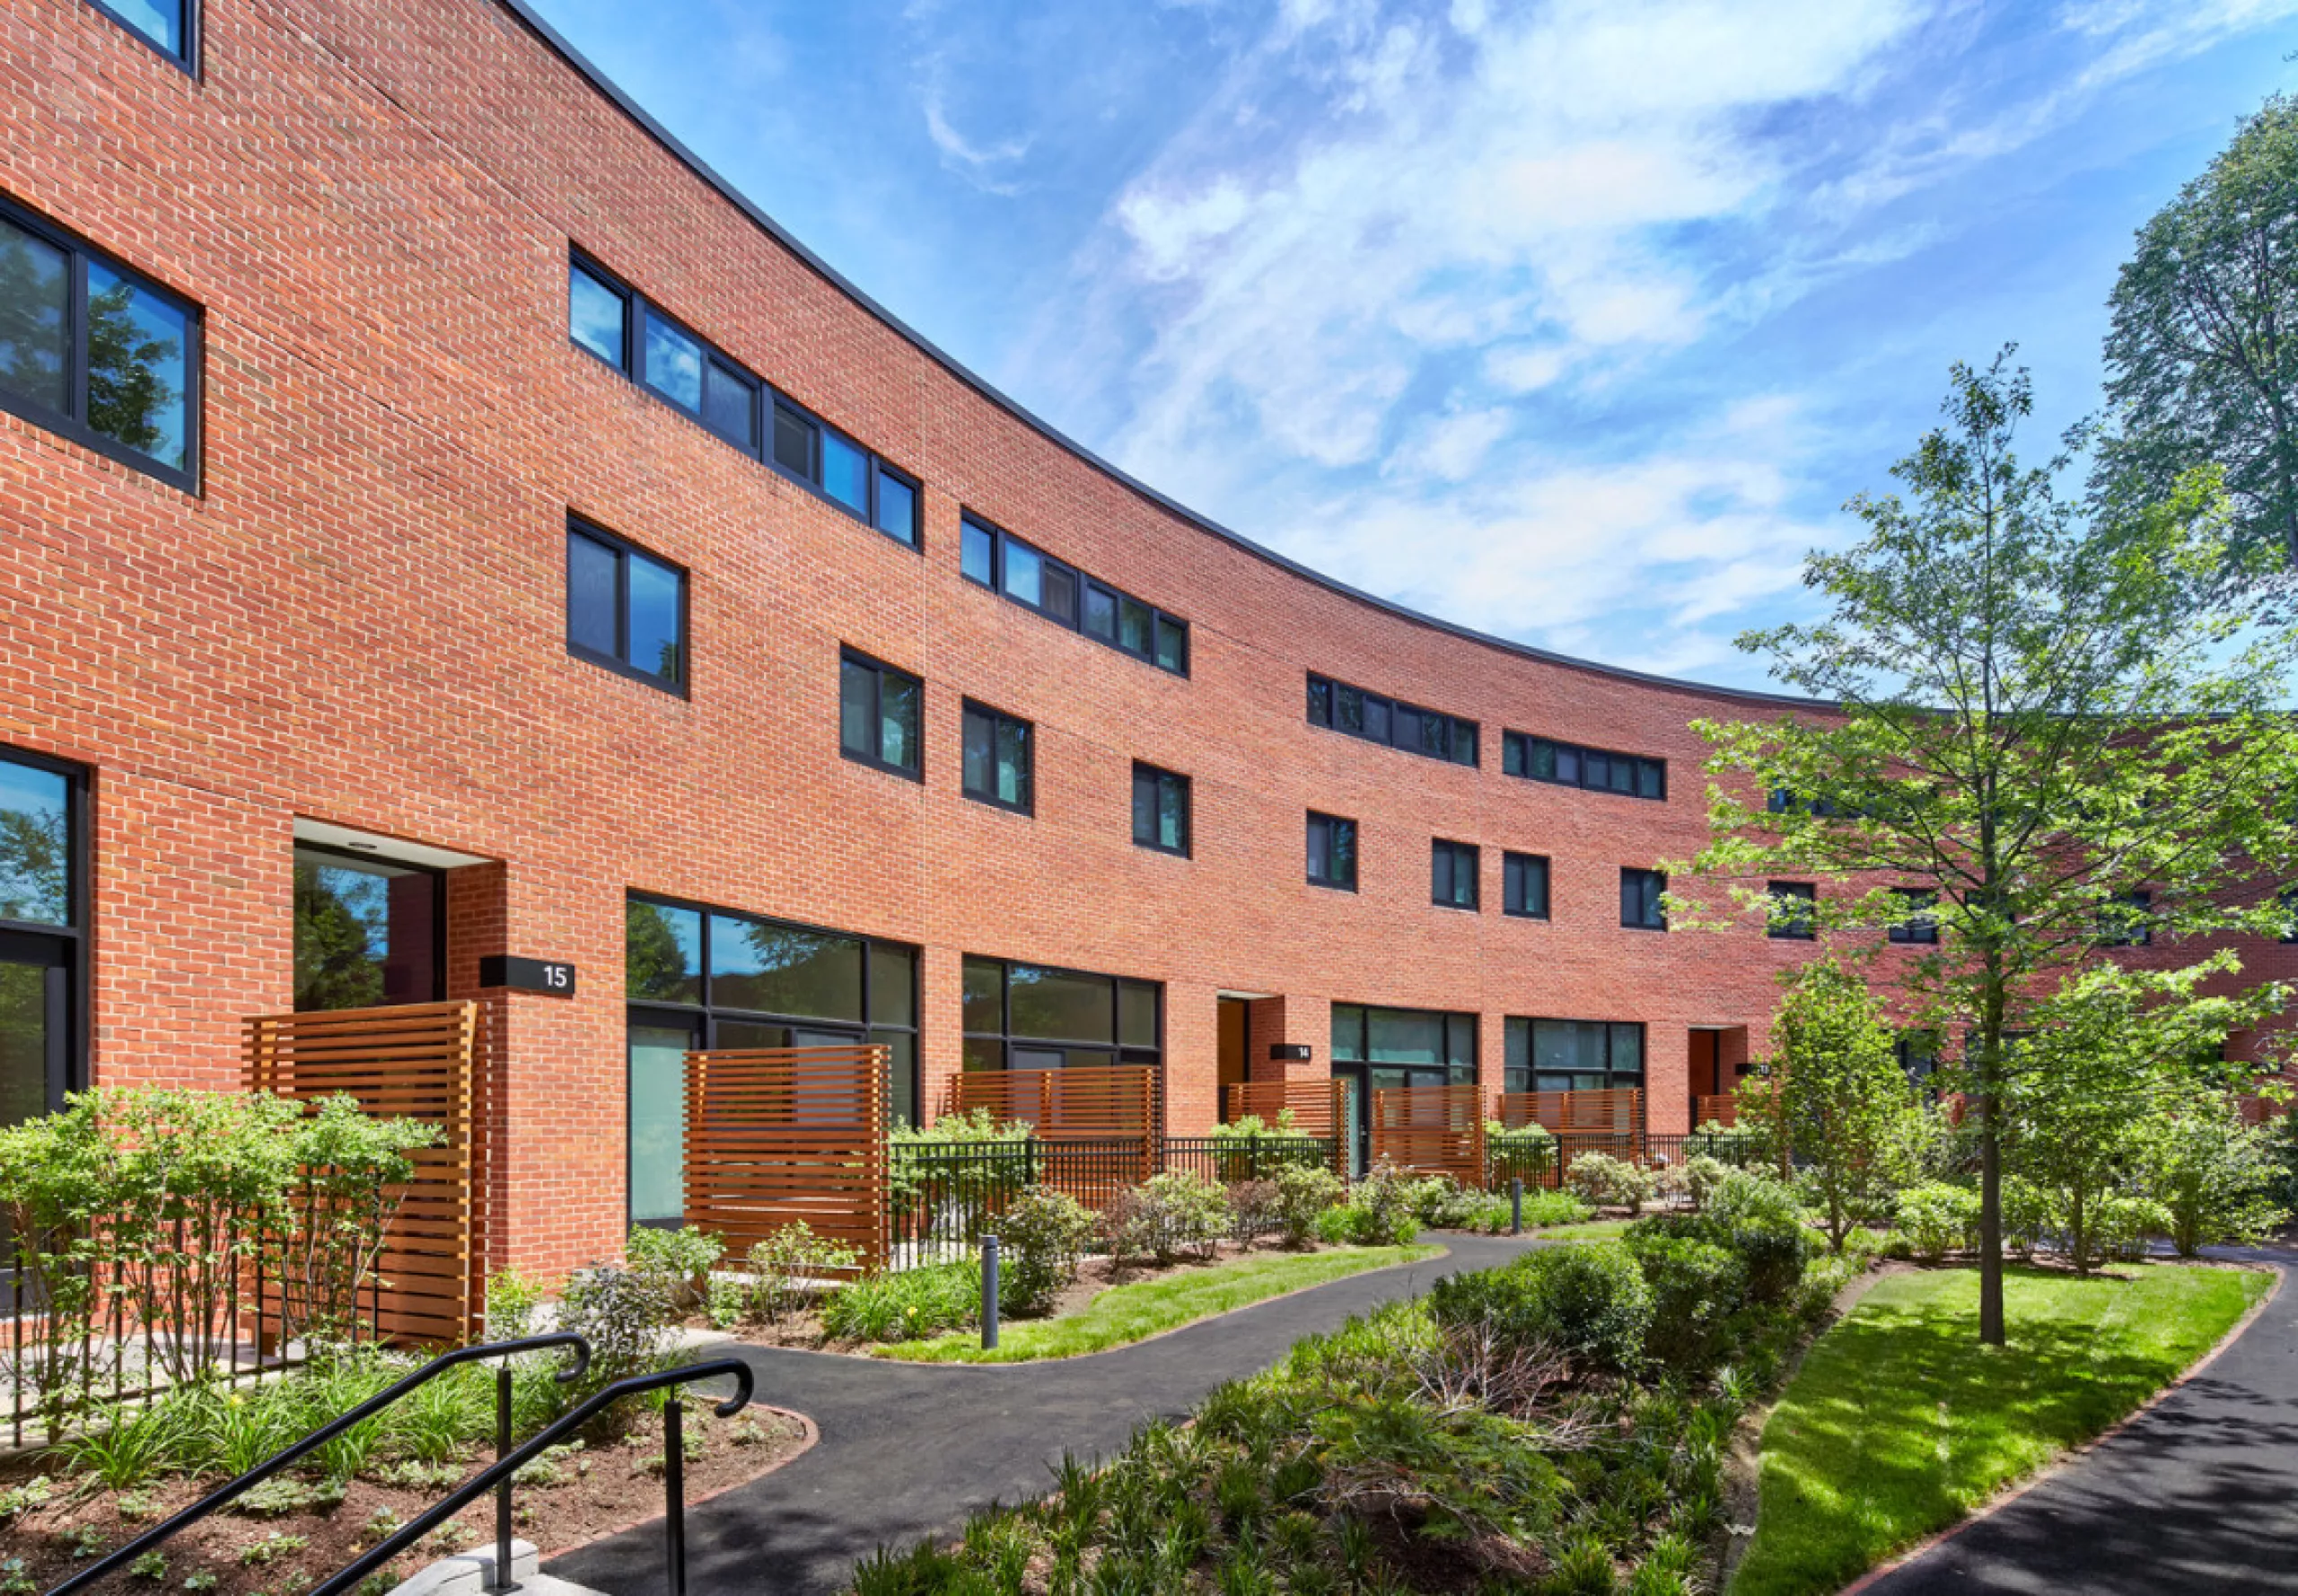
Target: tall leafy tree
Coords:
[[2033, 719], [2202, 358], [1840, 1100]]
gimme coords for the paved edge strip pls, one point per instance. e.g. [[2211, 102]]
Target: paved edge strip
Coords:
[[1442, 1251], [2073, 1454], [811, 1433]]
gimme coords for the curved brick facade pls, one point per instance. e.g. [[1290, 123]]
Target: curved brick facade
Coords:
[[360, 619]]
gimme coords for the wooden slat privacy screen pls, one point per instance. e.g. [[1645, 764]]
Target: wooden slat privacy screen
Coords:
[[1716, 1110], [1434, 1130], [1116, 1100], [415, 1061], [778, 1134], [1314, 1103], [1610, 1113]]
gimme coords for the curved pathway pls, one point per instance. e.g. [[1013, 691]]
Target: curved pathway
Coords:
[[910, 1450], [2197, 1494]]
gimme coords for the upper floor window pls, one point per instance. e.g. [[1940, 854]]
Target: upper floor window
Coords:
[[880, 712], [616, 323], [1921, 924], [625, 609], [997, 758], [1332, 851], [2124, 923], [1160, 808], [1795, 911], [166, 25], [1640, 895], [1390, 722], [96, 353], [1000, 561], [1524, 885], [1569, 764], [1452, 873]]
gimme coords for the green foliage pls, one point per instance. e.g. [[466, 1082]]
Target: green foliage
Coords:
[[626, 1317], [1587, 1303], [33, 1492], [513, 1301], [2215, 1177], [1938, 1219], [150, 1566], [270, 1549], [905, 1305], [783, 1266], [121, 1448], [1696, 1287], [1382, 1210], [1166, 1215], [1702, 1176], [998, 1162], [287, 1494], [1603, 1181], [678, 1261], [1844, 1103], [1304, 1193], [1042, 1236], [15, 1579], [2040, 716]]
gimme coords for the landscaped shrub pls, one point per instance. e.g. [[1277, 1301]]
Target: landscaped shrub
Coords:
[[906, 1304], [1695, 1288], [680, 1261], [1756, 1219], [1441, 1203], [1589, 1302], [1702, 1176], [1041, 1237], [1603, 1181], [1164, 1216], [626, 1315], [1304, 1193], [1524, 1152], [2026, 1216], [1379, 1212], [2217, 1177], [1937, 1219], [513, 1305], [781, 1266], [952, 1196], [2115, 1227], [1255, 1210], [1672, 1182], [1251, 1148]]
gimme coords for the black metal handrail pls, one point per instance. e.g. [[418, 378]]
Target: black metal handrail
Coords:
[[225, 1494], [501, 1472]]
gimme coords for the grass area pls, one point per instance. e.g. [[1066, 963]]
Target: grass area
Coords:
[[1124, 1315], [1899, 1423], [1594, 1230]]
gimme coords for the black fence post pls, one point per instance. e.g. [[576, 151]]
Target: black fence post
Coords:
[[504, 1578], [988, 1294], [674, 1491], [1516, 1206]]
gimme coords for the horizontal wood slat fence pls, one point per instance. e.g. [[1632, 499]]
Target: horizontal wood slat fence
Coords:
[[1114, 1107], [413, 1061], [1315, 1105], [1432, 1130], [774, 1135]]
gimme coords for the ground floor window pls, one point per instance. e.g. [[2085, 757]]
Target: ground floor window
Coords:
[[1036, 1017], [367, 932], [1376, 1049], [1574, 1056], [43, 924], [701, 977]]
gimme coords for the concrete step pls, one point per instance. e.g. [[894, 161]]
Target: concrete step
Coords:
[[472, 1574]]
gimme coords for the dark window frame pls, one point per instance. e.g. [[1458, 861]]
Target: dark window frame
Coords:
[[71, 423], [1517, 759], [1159, 774], [1085, 584], [1117, 1047], [188, 62], [67, 945], [1326, 695], [1028, 805], [879, 669], [766, 400], [1642, 876], [1921, 927], [1548, 885], [1611, 1073], [438, 905], [1798, 928], [577, 525], [1329, 880], [1453, 856], [2139, 932], [1448, 1019]]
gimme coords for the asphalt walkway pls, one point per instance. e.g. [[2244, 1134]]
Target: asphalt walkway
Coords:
[[910, 1450], [2199, 1493]]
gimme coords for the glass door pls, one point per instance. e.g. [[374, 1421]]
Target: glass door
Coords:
[[32, 1027], [658, 1050], [1356, 1118]]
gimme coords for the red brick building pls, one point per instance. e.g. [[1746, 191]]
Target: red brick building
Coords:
[[439, 519]]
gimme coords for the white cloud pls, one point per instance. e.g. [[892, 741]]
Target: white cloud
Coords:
[[976, 162]]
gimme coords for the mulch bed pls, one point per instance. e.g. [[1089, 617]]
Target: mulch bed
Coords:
[[599, 1490]]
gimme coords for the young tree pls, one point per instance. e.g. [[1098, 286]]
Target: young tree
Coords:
[[2026, 720], [2202, 358], [1843, 1105]]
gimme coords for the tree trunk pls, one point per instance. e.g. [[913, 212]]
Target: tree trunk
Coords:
[[1990, 1220]]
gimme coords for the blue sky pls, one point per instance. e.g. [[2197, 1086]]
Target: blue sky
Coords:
[[1573, 323]]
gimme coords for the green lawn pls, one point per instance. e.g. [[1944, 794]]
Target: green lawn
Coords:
[[1127, 1313], [1593, 1230], [1898, 1423]]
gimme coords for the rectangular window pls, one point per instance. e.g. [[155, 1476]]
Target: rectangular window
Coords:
[[997, 559], [367, 932], [1569, 764], [1921, 924], [43, 962], [598, 314], [96, 353], [1524, 885], [1795, 911], [1425, 1048], [1160, 810], [1640, 892], [672, 364], [168, 26], [880, 713], [1574, 1056], [1332, 851], [625, 609], [997, 758], [1429, 732], [1452, 873], [729, 405], [2126, 922], [1032, 1016]]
